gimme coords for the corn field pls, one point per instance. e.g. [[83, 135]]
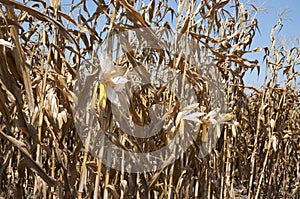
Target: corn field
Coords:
[[45, 47]]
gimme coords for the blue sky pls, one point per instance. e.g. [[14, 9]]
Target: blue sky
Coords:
[[267, 18]]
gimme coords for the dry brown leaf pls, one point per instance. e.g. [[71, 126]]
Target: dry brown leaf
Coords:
[[29, 161]]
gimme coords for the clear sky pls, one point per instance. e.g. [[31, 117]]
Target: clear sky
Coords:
[[271, 10], [267, 18]]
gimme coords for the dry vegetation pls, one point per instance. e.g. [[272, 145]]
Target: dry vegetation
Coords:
[[41, 47]]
